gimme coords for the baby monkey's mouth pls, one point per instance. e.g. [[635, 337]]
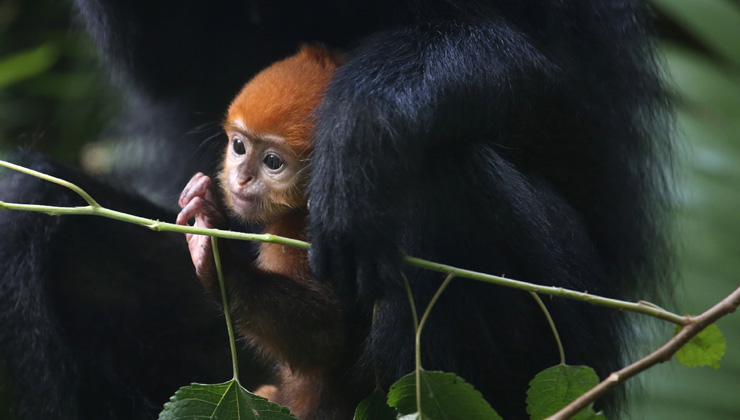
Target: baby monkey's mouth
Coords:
[[245, 205]]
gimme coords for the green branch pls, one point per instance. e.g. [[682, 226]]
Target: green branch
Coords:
[[94, 209], [417, 346], [642, 307], [418, 326], [153, 224], [53, 179], [227, 312], [554, 329]]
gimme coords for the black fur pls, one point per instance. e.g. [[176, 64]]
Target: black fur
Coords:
[[516, 141], [523, 138], [100, 319]]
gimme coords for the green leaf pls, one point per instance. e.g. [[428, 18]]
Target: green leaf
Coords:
[[27, 64], [555, 387], [226, 401], [443, 396], [375, 407], [705, 349]]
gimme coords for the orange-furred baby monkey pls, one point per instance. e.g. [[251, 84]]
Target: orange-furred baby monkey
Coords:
[[263, 175], [275, 303]]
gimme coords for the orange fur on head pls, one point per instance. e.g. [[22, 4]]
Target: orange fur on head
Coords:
[[279, 101], [276, 107]]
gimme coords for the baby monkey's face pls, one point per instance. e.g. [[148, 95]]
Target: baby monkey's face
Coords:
[[262, 177], [269, 126]]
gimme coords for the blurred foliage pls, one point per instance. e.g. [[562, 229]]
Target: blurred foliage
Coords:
[[53, 96], [54, 99], [701, 44]]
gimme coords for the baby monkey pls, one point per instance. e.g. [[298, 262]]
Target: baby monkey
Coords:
[[276, 304]]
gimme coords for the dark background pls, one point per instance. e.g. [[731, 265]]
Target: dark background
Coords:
[[55, 99]]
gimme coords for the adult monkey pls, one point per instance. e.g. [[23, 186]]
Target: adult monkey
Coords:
[[512, 137]]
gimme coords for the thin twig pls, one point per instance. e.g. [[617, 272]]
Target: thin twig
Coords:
[[411, 301], [225, 302], [420, 326], [417, 349], [552, 326], [154, 224], [663, 354], [53, 179], [96, 210], [640, 307]]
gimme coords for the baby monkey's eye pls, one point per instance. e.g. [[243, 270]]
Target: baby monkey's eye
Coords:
[[238, 146], [273, 162]]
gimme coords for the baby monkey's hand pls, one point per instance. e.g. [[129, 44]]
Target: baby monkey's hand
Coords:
[[200, 200]]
